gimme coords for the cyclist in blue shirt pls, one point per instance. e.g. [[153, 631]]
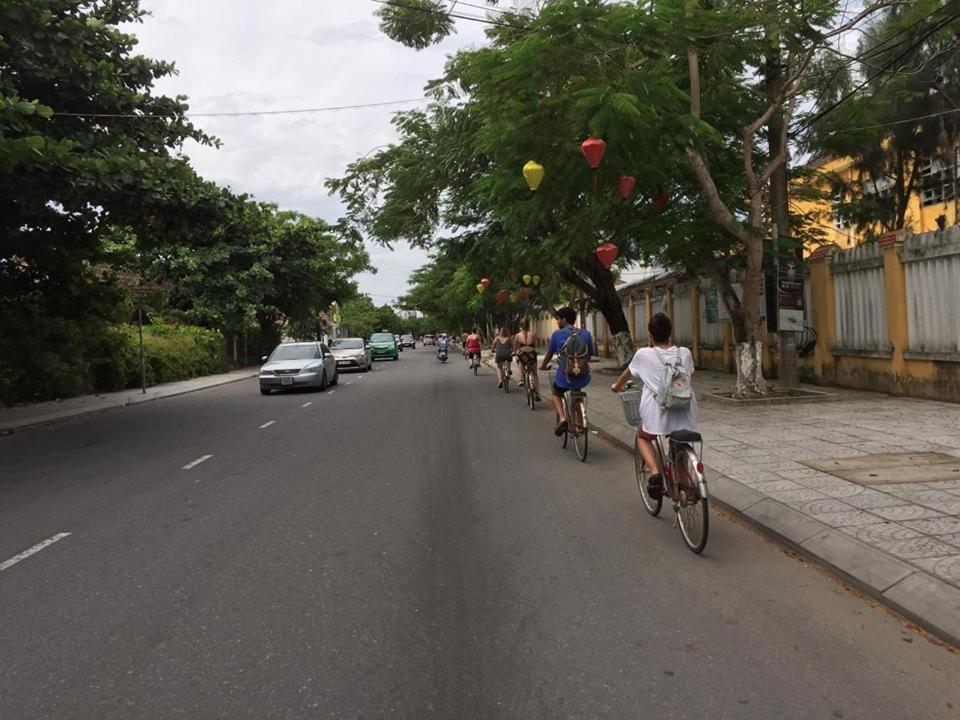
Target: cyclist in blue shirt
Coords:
[[566, 317]]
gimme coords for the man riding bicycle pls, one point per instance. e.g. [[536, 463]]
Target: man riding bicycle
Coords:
[[648, 367], [569, 344]]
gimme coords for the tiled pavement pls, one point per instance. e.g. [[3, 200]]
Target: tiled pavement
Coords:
[[759, 452]]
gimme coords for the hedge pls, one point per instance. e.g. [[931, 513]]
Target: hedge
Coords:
[[43, 360]]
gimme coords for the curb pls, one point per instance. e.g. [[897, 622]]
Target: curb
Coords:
[[65, 416], [923, 599]]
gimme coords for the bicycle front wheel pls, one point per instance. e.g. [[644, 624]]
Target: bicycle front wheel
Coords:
[[693, 514], [652, 504], [580, 433]]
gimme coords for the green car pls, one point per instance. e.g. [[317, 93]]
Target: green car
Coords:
[[384, 345]]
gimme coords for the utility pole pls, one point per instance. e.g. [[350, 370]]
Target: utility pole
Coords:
[[787, 372]]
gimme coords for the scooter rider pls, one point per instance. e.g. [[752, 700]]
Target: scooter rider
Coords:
[[442, 346]]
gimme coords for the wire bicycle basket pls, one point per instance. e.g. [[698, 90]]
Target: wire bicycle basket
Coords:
[[630, 399]]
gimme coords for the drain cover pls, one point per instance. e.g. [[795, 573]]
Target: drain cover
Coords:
[[886, 469]]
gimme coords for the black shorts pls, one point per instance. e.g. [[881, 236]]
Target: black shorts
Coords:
[[559, 391]]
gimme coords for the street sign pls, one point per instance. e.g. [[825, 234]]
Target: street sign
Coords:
[[790, 299]]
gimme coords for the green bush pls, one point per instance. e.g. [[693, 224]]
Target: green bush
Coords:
[[44, 358], [173, 352]]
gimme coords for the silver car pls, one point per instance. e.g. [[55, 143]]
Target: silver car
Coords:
[[352, 353], [298, 364]]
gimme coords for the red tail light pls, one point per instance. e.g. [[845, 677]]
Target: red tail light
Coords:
[[700, 467]]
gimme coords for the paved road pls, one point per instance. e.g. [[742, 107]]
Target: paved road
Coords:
[[411, 545]]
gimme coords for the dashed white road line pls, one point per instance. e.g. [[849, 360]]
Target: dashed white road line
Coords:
[[331, 392], [267, 424], [32, 551], [190, 465], [307, 404]]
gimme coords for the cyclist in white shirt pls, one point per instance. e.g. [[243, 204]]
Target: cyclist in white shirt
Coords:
[[647, 367]]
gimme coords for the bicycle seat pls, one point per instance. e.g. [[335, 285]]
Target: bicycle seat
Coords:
[[686, 436]]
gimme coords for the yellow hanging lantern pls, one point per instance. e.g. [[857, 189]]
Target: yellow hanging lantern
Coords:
[[480, 288], [535, 279], [527, 279], [533, 173], [513, 297]]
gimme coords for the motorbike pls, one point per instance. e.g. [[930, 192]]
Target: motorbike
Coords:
[[442, 355]]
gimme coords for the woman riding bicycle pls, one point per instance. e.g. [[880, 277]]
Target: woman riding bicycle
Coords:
[[648, 366], [503, 354], [525, 344], [471, 347]]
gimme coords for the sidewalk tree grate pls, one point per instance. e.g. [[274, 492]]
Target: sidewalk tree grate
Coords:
[[891, 468]]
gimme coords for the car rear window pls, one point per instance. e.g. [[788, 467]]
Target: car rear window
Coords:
[[295, 352], [348, 344], [382, 337]]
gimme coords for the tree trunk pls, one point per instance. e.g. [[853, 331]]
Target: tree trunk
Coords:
[[749, 360], [603, 292], [780, 206]]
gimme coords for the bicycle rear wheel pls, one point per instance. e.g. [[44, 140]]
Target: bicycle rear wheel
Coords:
[[651, 504], [579, 430], [693, 514]]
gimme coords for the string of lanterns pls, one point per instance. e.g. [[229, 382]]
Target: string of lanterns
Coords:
[[593, 150]]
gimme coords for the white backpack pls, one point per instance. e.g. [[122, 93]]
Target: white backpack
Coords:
[[675, 391]]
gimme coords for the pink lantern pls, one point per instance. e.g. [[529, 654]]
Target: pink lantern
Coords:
[[606, 254], [485, 282], [625, 185], [593, 150]]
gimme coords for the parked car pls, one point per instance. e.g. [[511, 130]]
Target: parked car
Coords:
[[352, 353], [384, 345], [429, 340], [298, 364], [408, 341]]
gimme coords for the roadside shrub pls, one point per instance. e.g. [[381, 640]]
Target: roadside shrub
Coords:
[[43, 358], [173, 352]]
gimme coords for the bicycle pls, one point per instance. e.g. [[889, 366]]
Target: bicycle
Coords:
[[575, 413], [505, 373], [682, 471], [529, 375], [474, 362]]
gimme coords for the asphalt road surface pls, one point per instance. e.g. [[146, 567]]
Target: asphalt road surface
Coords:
[[412, 544]]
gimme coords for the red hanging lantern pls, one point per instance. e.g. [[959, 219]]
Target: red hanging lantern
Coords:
[[606, 254], [661, 201], [502, 297], [625, 185], [485, 282], [593, 149]]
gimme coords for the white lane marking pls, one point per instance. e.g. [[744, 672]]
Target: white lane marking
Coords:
[[331, 392], [307, 404], [348, 384], [202, 458], [267, 424], [32, 551]]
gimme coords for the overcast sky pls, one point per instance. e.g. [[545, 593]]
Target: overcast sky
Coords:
[[240, 55]]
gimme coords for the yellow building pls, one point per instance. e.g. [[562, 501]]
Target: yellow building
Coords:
[[935, 197]]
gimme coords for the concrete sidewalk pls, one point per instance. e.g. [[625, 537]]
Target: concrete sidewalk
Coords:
[[23, 417], [891, 528]]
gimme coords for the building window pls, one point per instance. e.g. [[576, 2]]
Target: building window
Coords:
[[937, 182], [836, 210]]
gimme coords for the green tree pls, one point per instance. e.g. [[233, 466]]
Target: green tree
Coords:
[[69, 171], [894, 115]]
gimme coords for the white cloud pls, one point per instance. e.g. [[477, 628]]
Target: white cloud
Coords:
[[241, 55]]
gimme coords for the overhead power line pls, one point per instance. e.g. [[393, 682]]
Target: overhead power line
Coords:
[[244, 113]]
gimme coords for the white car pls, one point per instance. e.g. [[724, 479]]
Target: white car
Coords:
[[352, 353], [298, 364]]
